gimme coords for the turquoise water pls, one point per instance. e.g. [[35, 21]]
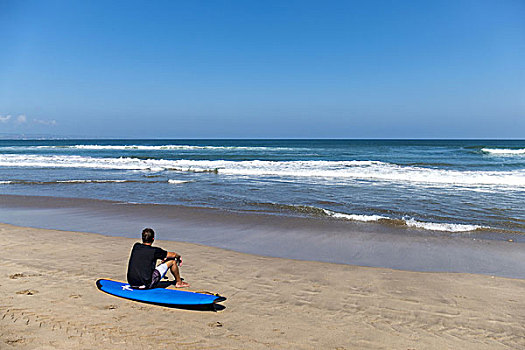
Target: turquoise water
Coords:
[[446, 186]]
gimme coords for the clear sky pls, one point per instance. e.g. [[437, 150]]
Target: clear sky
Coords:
[[263, 69]]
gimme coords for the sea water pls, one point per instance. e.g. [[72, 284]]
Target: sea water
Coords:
[[448, 186]]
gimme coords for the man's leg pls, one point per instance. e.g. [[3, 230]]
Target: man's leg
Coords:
[[174, 268]]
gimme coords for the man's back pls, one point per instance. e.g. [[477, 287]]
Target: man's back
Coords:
[[142, 263]]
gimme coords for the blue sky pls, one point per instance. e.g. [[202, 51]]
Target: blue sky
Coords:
[[263, 69]]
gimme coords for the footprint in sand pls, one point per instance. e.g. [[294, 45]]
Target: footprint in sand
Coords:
[[27, 292], [23, 275], [14, 341]]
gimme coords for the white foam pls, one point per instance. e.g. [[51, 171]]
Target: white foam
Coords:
[[354, 217], [433, 226], [318, 170], [5, 182], [164, 147], [176, 182], [442, 226], [504, 151]]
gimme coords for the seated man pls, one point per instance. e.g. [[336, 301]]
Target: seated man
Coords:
[[142, 272]]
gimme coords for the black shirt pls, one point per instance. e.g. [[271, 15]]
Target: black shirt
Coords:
[[142, 263]]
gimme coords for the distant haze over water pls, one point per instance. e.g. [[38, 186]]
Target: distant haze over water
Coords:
[[436, 185]]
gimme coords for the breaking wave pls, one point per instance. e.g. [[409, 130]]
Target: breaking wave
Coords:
[[355, 217], [409, 222], [504, 151], [432, 226], [177, 182], [164, 147], [339, 170]]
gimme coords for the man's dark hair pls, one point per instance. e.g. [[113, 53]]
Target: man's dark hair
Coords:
[[148, 235]]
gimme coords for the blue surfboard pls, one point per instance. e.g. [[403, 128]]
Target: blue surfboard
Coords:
[[168, 297]]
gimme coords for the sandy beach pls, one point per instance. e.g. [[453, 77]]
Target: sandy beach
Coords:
[[49, 300], [335, 175]]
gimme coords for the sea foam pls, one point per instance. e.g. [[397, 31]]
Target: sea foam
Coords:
[[434, 226], [431, 226], [163, 147], [177, 182], [504, 151], [355, 217], [313, 170]]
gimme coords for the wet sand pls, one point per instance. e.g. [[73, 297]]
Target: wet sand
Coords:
[[48, 300], [317, 239]]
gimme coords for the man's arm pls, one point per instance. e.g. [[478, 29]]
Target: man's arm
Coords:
[[172, 255]]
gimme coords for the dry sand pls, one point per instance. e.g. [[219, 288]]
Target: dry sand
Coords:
[[48, 300]]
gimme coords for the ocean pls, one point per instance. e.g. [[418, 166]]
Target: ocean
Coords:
[[445, 186]]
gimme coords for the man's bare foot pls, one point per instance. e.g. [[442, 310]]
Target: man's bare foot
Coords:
[[182, 285]]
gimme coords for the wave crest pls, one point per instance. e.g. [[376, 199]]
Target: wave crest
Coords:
[[316, 170], [355, 217], [448, 227], [177, 182], [431, 226], [164, 147], [504, 151]]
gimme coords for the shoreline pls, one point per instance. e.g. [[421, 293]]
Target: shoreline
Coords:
[[331, 218], [49, 300], [335, 241]]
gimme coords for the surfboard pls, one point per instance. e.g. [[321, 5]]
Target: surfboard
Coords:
[[161, 296]]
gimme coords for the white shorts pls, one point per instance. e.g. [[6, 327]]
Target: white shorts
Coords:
[[162, 268]]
